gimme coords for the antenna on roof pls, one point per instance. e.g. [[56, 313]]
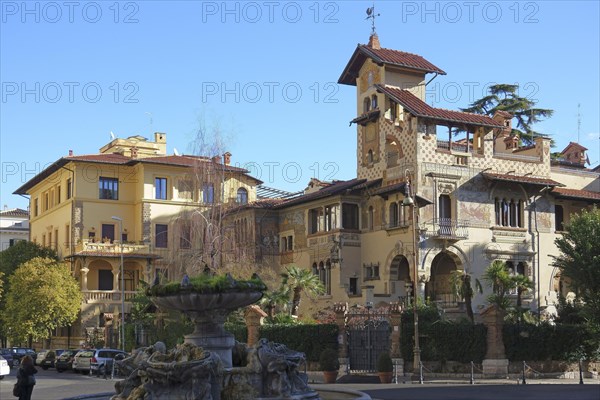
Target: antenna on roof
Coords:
[[150, 114], [371, 15], [175, 151], [578, 121], [112, 135]]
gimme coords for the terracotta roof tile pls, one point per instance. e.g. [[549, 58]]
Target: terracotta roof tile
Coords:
[[419, 108], [385, 56], [521, 179], [400, 58], [337, 187], [576, 194], [15, 212]]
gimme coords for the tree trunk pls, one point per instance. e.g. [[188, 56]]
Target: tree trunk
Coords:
[[296, 300], [469, 307]]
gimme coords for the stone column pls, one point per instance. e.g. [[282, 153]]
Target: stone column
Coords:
[[340, 320], [495, 362], [395, 320], [254, 319], [84, 272]]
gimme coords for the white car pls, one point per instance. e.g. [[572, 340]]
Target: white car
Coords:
[[4, 368]]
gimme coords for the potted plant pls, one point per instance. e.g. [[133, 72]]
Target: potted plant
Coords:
[[329, 364], [385, 367]]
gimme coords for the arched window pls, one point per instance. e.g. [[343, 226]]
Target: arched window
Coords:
[[370, 156], [242, 196], [374, 101], [508, 212], [367, 105]]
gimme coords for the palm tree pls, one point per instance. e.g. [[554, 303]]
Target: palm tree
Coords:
[[462, 288], [522, 283], [273, 299], [301, 280], [498, 278]]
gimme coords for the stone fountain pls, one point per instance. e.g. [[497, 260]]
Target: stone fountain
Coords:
[[210, 364]]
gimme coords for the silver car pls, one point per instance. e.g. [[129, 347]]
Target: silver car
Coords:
[[82, 361]]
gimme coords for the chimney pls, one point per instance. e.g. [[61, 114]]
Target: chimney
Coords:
[[505, 118], [216, 159], [374, 41], [134, 152], [227, 158], [70, 153]]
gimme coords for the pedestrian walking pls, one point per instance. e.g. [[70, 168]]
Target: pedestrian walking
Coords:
[[26, 378]]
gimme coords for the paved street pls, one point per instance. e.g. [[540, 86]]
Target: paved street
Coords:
[[54, 386]]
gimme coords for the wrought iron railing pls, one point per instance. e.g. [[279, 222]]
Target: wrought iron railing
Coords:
[[447, 228]]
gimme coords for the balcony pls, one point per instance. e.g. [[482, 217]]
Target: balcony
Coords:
[[111, 248], [106, 296], [447, 229], [454, 146]]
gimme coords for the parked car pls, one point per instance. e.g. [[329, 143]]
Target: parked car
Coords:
[[47, 358], [103, 359], [40, 356], [4, 368], [7, 354], [82, 360], [64, 361], [20, 352]]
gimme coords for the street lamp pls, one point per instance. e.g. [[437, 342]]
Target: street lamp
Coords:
[[120, 220], [410, 202]]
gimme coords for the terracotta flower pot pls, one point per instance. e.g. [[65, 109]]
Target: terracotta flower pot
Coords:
[[385, 377], [330, 376]]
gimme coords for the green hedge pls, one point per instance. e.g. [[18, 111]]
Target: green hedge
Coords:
[[309, 339], [445, 341], [545, 342]]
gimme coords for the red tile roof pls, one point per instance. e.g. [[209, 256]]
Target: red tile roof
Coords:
[[114, 158], [521, 179], [400, 58], [15, 212], [385, 56], [336, 188], [419, 108], [576, 194]]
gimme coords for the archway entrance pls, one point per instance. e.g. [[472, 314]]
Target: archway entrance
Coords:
[[400, 278], [439, 288]]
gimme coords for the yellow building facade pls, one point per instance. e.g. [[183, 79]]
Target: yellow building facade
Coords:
[[130, 199], [473, 199]]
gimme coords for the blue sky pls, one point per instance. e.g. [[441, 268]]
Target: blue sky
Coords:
[[266, 73]]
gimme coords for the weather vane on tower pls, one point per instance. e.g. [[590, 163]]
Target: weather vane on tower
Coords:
[[371, 15]]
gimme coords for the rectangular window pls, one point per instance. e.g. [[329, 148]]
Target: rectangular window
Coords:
[[109, 188], [46, 201], [36, 209], [68, 237], [56, 239], [185, 237], [161, 236], [92, 236], [559, 217], [58, 195], [105, 279], [69, 188], [349, 216], [184, 188], [208, 193], [108, 232], [160, 188]]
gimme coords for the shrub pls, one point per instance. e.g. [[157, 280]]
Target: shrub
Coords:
[[384, 362], [328, 361], [309, 339]]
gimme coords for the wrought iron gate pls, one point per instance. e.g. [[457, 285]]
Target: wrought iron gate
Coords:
[[368, 335]]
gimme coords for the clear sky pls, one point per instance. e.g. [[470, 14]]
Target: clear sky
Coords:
[[266, 73]]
